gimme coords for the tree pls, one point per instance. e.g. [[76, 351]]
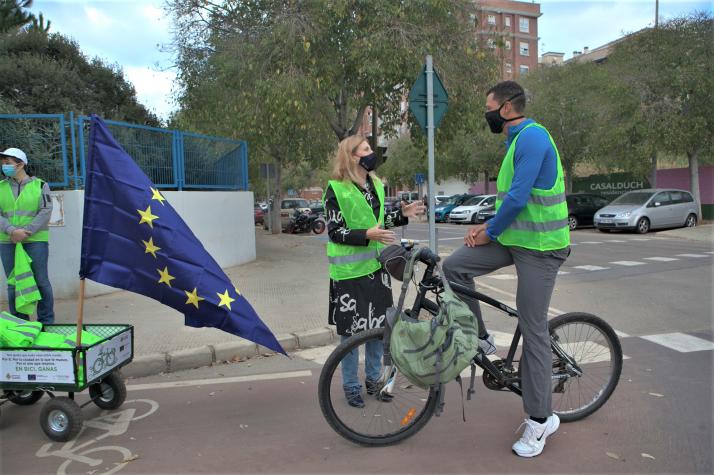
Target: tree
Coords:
[[317, 66], [47, 73], [668, 71]]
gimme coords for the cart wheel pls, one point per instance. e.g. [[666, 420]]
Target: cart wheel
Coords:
[[24, 398], [61, 419], [110, 393]]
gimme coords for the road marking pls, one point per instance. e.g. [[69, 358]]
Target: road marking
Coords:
[[503, 276], [710, 252], [641, 239], [614, 240], [628, 263], [551, 310], [450, 239], [563, 272], [591, 268], [661, 259], [692, 255], [590, 242], [621, 334], [680, 342], [206, 382]]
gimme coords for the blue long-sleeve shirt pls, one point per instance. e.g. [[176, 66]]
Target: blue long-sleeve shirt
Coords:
[[535, 166]]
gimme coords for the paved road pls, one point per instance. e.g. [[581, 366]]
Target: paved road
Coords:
[[262, 415]]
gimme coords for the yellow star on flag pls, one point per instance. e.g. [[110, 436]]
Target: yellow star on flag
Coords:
[[193, 298], [225, 300], [156, 195], [237, 291], [150, 247], [166, 278], [147, 217]]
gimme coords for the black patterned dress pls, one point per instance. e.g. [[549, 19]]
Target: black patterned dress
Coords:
[[358, 304]]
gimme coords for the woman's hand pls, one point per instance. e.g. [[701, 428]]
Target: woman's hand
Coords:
[[414, 209], [385, 236]]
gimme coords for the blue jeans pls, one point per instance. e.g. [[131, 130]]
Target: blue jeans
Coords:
[[372, 364], [39, 252]]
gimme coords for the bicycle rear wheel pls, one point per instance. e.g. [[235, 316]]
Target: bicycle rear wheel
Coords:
[[587, 362], [379, 422]]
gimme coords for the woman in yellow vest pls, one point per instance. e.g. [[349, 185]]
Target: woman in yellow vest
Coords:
[[358, 228], [25, 210]]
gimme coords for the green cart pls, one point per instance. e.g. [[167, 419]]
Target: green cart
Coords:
[[27, 374]]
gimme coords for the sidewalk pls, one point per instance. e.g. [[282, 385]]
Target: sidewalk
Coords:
[[704, 232], [291, 300]]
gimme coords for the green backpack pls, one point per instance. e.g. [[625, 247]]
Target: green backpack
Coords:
[[436, 351]]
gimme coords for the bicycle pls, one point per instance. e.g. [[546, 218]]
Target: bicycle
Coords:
[[105, 359], [587, 357]]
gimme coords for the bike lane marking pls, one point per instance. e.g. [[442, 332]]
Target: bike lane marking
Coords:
[[234, 379]]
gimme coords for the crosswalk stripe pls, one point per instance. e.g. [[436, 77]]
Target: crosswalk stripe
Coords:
[[503, 276], [614, 240], [590, 242], [640, 239], [628, 263], [621, 334], [710, 252], [692, 255], [563, 272], [680, 342], [591, 268], [661, 259]]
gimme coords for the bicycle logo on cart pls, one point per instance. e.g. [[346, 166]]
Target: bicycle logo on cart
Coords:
[[105, 359], [106, 459]]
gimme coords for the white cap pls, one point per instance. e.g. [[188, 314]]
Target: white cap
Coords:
[[15, 153]]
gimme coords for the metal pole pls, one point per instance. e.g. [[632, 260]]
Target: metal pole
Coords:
[[656, 13], [430, 140], [270, 206]]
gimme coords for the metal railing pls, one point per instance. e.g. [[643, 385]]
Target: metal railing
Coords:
[[173, 159]]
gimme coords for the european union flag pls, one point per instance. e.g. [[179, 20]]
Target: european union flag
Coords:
[[133, 239]]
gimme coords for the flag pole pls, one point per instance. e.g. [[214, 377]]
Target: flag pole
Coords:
[[80, 312]]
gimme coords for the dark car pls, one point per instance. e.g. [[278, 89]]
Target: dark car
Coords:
[[391, 204], [486, 213], [258, 215], [317, 208], [582, 208]]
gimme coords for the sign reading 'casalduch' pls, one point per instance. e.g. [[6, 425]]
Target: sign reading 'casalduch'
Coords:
[[611, 185]]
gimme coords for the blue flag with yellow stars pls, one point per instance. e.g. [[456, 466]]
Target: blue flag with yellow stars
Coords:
[[133, 239]]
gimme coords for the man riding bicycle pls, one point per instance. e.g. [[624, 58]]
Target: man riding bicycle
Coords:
[[530, 230]]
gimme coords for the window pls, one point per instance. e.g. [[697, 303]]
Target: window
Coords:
[[661, 198], [490, 43], [509, 68], [676, 196], [524, 48], [523, 25], [687, 198], [508, 21], [508, 44], [522, 69], [492, 19]]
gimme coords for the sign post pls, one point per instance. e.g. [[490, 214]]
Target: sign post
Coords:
[[428, 102]]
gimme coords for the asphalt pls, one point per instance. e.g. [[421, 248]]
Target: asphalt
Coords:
[[287, 285]]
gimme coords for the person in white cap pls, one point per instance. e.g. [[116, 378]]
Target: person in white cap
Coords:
[[25, 210]]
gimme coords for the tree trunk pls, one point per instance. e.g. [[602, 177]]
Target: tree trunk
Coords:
[[275, 195], [693, 158], [653, 171], [568, 177], [485, 182]]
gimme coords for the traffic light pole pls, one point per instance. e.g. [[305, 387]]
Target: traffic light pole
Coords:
[[430, 141]]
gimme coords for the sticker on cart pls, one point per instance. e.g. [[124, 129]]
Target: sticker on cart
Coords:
[[36, 367], [105, 356]]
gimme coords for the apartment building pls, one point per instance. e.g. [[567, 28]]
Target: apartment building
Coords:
[[511, 29]]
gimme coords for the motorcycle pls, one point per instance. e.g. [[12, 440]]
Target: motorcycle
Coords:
[[302, 222]]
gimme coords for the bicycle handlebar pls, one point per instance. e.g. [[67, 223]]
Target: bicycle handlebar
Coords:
[[426, 255]]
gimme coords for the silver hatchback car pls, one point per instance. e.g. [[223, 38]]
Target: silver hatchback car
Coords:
[[642, 210]]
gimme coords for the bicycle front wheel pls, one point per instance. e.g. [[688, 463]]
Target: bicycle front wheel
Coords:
[[587, 362], [382, 420]]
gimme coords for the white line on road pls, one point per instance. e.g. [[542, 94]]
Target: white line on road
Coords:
[[640, 239], [502, 276], [692, 255], [628, 263], [680, 342], [661, 259], [614, 240], [551, 310], [590, 267], [621, 334], [206, 382], [590, 242], [563, 272]]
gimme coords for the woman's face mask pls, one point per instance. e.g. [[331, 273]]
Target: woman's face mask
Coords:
[[369, 162], [9, 169]]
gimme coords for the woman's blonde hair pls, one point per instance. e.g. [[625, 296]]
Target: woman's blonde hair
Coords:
[[344, 167]]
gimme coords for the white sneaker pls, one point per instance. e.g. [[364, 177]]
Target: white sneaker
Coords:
[[487, 345], [533, 439]]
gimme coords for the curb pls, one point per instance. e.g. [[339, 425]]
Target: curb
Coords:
[[179, 360]]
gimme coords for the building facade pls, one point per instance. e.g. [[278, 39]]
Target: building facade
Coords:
[[511, 29]]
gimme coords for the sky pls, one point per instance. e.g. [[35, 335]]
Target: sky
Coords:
[[136, 34]]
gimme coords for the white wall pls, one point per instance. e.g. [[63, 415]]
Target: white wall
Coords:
[[222, 221], [451, 187]]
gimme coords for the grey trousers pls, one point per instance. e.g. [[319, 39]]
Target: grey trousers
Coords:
[[536, 278]]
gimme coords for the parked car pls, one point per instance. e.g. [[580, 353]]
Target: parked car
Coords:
[[441, 213], [258, 215], [440, 200], [317, 208], [642, 210], [582, 208], [467, 212], [486, 213], [391, 204]]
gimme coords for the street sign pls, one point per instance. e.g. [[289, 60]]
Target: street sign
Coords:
[[418, 99], [419, 178]]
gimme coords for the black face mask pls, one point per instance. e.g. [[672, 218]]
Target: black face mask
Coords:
[[496, 121], [369, 162]]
